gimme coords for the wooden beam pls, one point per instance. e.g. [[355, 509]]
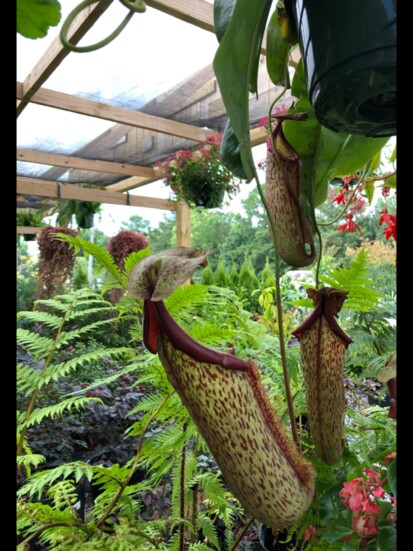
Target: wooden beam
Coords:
[[28, 229], [196, 12], [69, 161], [47, 188], [56, 52], [75, 104], [183, 225]]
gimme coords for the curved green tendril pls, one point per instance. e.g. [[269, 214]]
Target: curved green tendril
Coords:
[[132, 6], [136, 5]]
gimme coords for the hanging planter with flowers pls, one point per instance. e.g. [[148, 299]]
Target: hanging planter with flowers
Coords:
[[198, 176]]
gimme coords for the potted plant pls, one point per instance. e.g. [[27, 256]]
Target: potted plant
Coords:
[[198, 176], [82, 210], [31, 219]]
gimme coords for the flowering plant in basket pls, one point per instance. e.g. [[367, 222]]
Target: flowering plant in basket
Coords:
[[198, 176]]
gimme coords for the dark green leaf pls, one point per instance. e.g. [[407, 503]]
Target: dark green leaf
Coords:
[[369, 189], [222, 15], [230, 152], [392, 477], [337, 532], [348, 546], [34, 17], [278, 49], [234, 65], [328, 510], [388, 538]]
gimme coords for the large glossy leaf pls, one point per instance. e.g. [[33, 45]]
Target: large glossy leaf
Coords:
[[230, 152], [34, 17], [235, 64], [333, 154], [222, 15], [278, 49]]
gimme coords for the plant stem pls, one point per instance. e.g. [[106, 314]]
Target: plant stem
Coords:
[[124, 484], [36, 390], [280, 315], [55, 524], [182, 495], [242, 534], [320, 254]]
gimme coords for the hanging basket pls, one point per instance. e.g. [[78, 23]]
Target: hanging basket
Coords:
[[349, 55], [85, 220], [205, 194]]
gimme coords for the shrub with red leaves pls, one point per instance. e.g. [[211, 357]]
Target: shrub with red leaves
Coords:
[[124, 243], [56, 260]]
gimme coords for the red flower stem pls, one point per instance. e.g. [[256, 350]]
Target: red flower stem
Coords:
[[346, 205], [378, 178]]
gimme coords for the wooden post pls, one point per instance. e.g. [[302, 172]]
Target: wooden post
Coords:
[[183, 225]]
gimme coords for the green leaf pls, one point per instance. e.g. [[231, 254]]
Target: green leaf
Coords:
[[222, 15], [230, 152], [369, 189], [391, 181], [340, 527], [236, 65], [393, 156], [385, 508], [134, 258], [34, 17], [392, 476], [328, 510], [388, 538], [375, 162], [278, 49]]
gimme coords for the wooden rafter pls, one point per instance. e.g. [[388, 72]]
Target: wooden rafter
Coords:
[[69, 161], [56, 52], [28, 229], [196, 12], [47, 188], [99, 110]]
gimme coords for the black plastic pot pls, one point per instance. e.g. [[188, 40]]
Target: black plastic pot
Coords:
[[205, 195], [85, 220], [349, 53]]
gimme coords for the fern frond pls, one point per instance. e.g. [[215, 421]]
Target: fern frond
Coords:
[[134, 258], [57, 410], [56, 371], [99, 253], [37, 483], [52, 321], [63, 494], [207, 526], [185, 298], [67, 336], [38, 345], [90, 311], [30, 460], [213, 488], [361, 297], [27, 379], [53, 303]]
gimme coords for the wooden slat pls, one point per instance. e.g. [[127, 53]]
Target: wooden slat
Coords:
[[196, 12], [69, 161], [130, 183], [75, 104], [47, 188], [56, 52], [28, 229]]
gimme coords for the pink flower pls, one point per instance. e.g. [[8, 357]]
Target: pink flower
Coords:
[[310, 533], [340, 199], [263, 121]]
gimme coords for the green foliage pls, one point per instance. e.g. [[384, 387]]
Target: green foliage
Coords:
[[80, 273], [233, 278], [248, 284], [361, 297], [220, 276], [267, 275], [207, 276], [34, 17]]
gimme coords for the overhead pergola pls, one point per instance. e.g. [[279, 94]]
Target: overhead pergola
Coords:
[[151, 119]]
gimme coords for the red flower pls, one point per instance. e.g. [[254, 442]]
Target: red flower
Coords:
[[340, 199], [391, 231], [386, 217], [350, 224], [263, 121]]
